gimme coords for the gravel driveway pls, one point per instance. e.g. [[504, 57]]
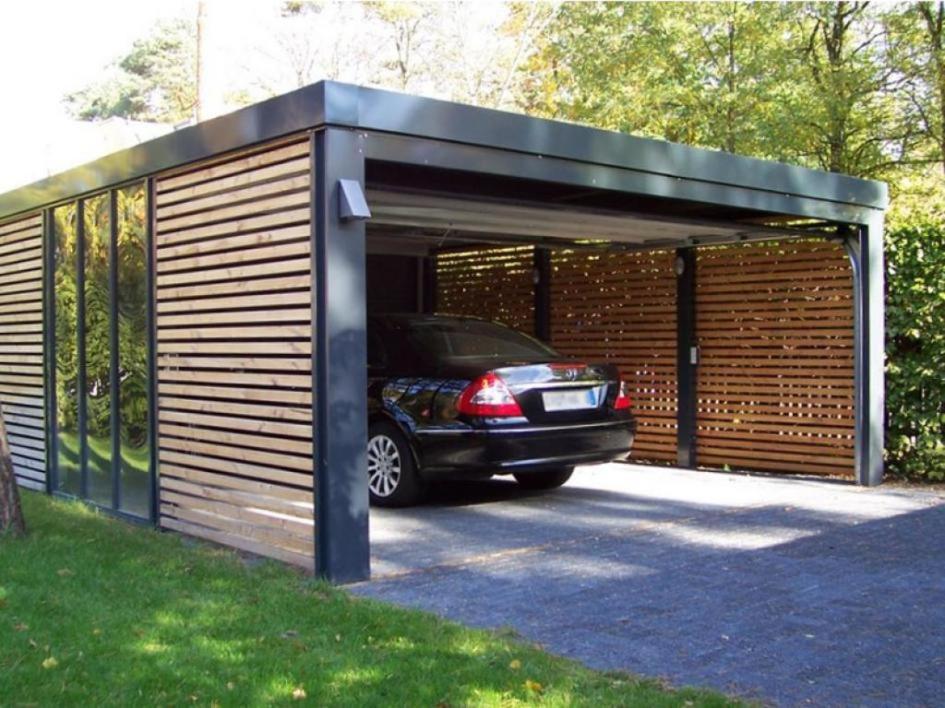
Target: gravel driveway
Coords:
[[790, 591]]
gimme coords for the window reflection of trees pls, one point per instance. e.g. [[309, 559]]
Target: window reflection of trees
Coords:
[[67, 355], [129, 302], [133, 349], [98, 348]]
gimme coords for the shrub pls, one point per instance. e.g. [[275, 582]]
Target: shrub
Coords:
[[915, 351]]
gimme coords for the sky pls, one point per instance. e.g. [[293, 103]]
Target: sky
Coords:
[[51, 48], [48, 49]]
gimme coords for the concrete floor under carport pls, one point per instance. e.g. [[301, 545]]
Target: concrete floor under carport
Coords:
[[785, 590]]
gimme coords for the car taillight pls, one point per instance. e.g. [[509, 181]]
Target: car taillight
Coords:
[[622, 402], [489, 397]]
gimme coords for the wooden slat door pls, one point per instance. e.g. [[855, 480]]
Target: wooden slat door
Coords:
[[21, 347], [621, 308], [775, 381], [234, 339]]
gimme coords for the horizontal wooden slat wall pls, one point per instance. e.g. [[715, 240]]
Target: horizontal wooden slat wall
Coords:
[[775, 381], [234, 340], [495, 283], [21, 347], [621, 308]]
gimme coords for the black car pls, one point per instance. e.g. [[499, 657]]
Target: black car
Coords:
[[464, 398]]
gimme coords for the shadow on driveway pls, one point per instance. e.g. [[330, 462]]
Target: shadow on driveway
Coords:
[[789, 591]]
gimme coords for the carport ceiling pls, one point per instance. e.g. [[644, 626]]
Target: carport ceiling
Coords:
[[432, 213]]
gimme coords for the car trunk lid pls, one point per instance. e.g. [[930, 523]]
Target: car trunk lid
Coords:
[[561, 391]]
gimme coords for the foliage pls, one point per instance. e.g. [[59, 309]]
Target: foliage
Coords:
[[915, 322], [155, 81], [848, 115], [131, 294], [917, 52], [405, 21], [66, 296], [94, 611], [703, 73], [809, 83]]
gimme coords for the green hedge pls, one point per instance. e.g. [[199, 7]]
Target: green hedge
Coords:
[[915, 352]]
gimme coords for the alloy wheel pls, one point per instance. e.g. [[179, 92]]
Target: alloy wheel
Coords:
[[384, 465]]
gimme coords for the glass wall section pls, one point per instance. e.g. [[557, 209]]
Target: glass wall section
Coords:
[[133, 370], [101, 350], [68, 455], [98, 349]]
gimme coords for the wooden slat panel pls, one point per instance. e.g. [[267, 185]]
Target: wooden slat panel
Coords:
[[250, 410], [237, 273], [252, 176], [243, 541], [236, 287], [234, 327], [218, 168], [495, 283], [253, 192], [775, 327], [21, 346], [297, 497], [262, 473], [618, 308], [267, 252], [253, 499], [278, 203], [621, 308], [172, 254]]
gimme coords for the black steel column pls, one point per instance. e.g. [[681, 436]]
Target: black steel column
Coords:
[[687, 354], [339, 350], [49, 351], [151, 281], [428, 301], [866, 255], [81, 382], [113, 382], [542, 294]]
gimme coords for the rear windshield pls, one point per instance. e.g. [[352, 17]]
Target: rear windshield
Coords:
[[472, 339]]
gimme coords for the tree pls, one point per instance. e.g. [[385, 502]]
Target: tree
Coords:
[[917, 51], [848, 115], [405, 23], [11, 511], [315, 39], [703, 73], [483, 60], [155, 81]]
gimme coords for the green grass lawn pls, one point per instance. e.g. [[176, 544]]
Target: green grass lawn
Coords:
[[94, 611]]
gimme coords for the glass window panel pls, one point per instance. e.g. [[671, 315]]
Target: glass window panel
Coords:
[[98, 349], [133, 351], [67, 362]]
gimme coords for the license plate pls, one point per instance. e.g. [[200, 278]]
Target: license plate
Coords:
[[569, 400]]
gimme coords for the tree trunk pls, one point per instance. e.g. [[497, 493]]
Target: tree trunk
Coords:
[[201, 108], [11, 512]]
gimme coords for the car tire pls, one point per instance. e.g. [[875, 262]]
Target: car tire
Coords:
[[544, 479], [392, 474]]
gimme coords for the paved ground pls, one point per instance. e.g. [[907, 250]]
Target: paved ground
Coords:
[[788, 591]]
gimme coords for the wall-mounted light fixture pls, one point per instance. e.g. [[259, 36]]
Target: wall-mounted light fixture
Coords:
[[352, 204]]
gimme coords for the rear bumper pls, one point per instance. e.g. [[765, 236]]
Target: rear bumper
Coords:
[[472, 453]]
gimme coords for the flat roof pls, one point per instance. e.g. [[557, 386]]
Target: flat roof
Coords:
[[327, 104]]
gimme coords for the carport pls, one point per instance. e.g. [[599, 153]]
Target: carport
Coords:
[[740, 297]]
